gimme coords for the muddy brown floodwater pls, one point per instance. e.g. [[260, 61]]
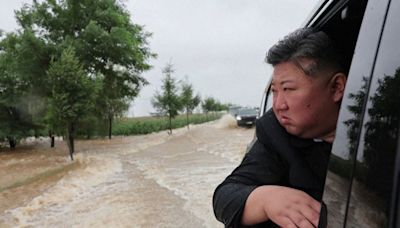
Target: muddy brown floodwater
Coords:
[[151, 180]]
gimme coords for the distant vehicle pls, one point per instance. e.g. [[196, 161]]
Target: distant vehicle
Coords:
[[234, 109], [246, 116]]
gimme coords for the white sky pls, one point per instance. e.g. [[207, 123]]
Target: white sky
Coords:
[[219, 45]]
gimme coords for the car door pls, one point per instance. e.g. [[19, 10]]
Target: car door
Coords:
[[266, 101], [348, 192], [371, 196]]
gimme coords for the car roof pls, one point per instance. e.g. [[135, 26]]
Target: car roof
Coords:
[[322, 11]]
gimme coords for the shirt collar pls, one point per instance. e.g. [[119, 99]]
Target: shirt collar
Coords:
[[301, 143]]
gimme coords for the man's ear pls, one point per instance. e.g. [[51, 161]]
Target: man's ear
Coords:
[[337, 85]]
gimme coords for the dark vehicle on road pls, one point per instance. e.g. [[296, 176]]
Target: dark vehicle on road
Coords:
[[246, 116], [234, 109], [363, 184]]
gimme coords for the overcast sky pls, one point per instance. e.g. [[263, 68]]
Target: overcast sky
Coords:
[[219, 45]]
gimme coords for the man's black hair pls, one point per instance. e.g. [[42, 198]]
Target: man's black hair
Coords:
[[307, 43]]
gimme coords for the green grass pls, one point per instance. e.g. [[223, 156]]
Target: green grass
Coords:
[[146, 125]]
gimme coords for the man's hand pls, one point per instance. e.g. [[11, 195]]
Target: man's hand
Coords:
[[287, 207]]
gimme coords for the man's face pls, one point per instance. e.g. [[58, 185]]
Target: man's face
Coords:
[[304, 105]]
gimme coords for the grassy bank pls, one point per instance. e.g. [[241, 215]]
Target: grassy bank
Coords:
[[146, 125]]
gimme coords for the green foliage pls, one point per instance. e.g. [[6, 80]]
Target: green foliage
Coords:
[[221, 107], [107, 44], [110, 50], [146, 125], [168, 102], [189, 101], [27, 60], [14, 124], [105, 40], [71, 92], [71, 95], [19, 106], [210, 104], [90, 126]]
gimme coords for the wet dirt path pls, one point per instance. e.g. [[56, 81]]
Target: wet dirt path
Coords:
[[152, 180]]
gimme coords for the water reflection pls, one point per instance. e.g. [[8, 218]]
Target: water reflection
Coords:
[[353, 125], [380, 142], [375, 159]]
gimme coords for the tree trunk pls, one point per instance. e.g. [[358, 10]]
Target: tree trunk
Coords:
[[170, 126], [51, 135], [187, 118], [70, 140], [12, 142], [109, 127]]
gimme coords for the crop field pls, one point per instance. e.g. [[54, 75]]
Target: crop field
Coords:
[[146, 125]]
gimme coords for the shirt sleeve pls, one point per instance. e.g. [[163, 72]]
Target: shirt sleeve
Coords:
[[260, 166]]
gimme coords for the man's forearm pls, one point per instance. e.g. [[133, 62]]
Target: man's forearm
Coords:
[[228, 202], [254, 211], [283, 205]]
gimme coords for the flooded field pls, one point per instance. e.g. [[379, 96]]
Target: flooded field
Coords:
[[153, 180]]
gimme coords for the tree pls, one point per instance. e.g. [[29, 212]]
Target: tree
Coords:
[[380, 131], [108, 45], [220, 107], [71, 94], [110, 105], [354, 124], [208, 105], [168, 102], [189, 101], [14, 124], [211, 104], [20, 107]]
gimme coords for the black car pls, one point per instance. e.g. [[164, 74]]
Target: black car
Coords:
[[246, 116], [362, 184], [234, 109]]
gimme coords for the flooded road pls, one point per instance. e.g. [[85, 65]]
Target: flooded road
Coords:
[[152, 180]]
